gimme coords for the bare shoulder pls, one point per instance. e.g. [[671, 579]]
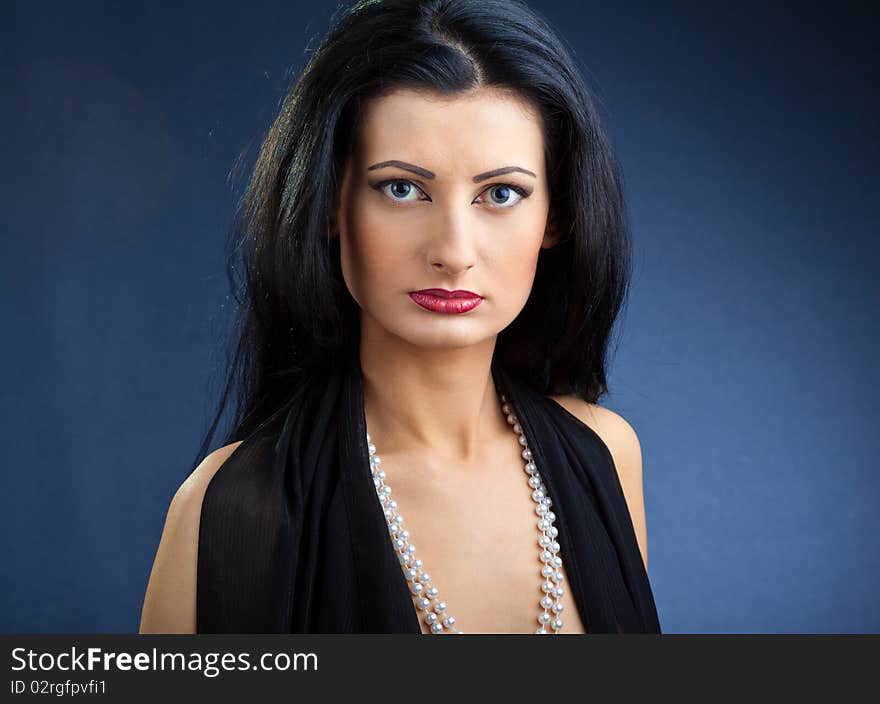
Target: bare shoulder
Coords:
[[626, 450], [170, 600], [614, 429]]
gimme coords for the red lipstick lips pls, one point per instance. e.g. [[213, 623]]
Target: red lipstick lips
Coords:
[[439, 300]]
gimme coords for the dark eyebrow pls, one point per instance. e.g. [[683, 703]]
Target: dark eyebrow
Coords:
[[430, 174], [502, 170]]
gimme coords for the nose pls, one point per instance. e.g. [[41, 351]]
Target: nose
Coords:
[[452, 246]]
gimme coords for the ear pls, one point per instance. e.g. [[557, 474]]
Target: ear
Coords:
[[336, 215], [333, 220], [552, 235], [332, 226]]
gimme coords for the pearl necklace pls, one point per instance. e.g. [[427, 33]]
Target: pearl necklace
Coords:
[[426, 595]]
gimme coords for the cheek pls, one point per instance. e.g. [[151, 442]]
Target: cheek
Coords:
[[517, 259], [520, 279], [370, 261]]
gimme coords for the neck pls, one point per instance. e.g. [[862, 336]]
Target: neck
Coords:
[[439, 401]]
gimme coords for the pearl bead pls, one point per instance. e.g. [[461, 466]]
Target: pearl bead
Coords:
[[420, 580], [540, 632]]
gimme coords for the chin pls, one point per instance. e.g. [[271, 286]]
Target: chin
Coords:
[[436, 334]]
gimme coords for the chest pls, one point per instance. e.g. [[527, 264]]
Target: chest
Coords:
[[475, 530]]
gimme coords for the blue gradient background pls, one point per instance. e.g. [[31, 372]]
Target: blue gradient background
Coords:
[[747, 353]]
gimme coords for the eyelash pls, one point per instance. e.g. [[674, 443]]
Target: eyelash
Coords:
[[522, 192]]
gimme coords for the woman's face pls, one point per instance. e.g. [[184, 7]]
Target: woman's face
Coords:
[[451, 224]]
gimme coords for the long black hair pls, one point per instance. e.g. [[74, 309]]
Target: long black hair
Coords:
[[295, 315]]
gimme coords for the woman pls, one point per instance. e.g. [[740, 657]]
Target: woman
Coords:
[[435, 251]]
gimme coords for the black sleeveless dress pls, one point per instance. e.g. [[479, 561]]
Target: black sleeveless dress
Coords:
[[293, 539]]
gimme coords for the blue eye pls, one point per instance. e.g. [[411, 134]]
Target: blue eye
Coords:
[[505, 195], [396, 184], [509, 195]]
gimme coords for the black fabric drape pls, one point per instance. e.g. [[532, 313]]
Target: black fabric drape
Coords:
[[292, 536]]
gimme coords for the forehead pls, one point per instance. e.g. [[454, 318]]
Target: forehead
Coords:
[[482, 128]]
